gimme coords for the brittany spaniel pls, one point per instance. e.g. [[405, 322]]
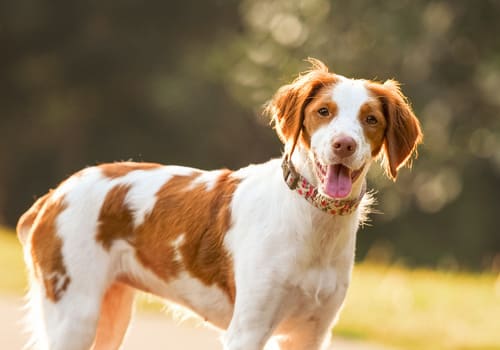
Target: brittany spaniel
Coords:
[[264, 252]]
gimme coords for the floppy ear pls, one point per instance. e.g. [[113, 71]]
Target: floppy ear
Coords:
[[286, 113], [403, 132], [286, 109]]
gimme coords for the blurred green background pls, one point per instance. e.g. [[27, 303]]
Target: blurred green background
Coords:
[[183, 82]]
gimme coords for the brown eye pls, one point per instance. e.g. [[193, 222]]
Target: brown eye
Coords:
[[371, 120], [324, 112]]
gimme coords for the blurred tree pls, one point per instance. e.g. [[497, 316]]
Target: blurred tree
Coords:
[[182, 82]]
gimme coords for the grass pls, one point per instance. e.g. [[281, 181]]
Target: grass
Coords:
[[390, 305], [422, 309], [12, 271]]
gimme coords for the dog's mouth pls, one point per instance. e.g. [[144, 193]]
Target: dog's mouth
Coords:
[[336, 179]]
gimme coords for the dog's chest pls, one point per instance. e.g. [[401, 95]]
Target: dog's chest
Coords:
[[316, 282], [312, 294], [322, 265]]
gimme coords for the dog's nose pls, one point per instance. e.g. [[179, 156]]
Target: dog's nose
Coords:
[[344, 146]]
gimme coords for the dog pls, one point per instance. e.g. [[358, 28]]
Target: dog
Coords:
[[262, 252]]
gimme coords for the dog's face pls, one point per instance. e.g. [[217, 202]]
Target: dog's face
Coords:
[[345, 124]]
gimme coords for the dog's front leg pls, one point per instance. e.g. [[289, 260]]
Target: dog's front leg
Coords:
[[256, 314]]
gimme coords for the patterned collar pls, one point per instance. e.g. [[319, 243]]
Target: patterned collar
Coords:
[[304, 188]]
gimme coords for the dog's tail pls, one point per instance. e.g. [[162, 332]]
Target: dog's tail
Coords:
[[26, 221], [33, 312]]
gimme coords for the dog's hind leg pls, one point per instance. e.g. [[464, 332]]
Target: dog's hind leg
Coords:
[[116, 310], [65, 294], [89, 314]]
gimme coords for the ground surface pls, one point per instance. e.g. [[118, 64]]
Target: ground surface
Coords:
[[148, 331]]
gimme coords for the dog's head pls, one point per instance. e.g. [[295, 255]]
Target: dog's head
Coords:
[[344, 124]]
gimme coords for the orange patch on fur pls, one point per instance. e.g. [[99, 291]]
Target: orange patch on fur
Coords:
[[114, 170], [115, 218], [403, 132], [312, 119], [374, 133], [203, 218], [46, 250]]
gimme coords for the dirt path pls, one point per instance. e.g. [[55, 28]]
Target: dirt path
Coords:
[[149, 331]]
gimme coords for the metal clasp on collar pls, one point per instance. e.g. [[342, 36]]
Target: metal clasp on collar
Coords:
[[290, 175]]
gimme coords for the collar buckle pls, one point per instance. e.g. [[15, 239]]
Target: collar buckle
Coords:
[[290, 175]]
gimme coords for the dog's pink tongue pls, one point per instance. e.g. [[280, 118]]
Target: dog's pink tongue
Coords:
[[337, 183]]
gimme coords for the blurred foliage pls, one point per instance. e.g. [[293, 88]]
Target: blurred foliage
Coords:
[[183, 82]]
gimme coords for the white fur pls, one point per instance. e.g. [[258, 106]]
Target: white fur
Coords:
[[208, 178]]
